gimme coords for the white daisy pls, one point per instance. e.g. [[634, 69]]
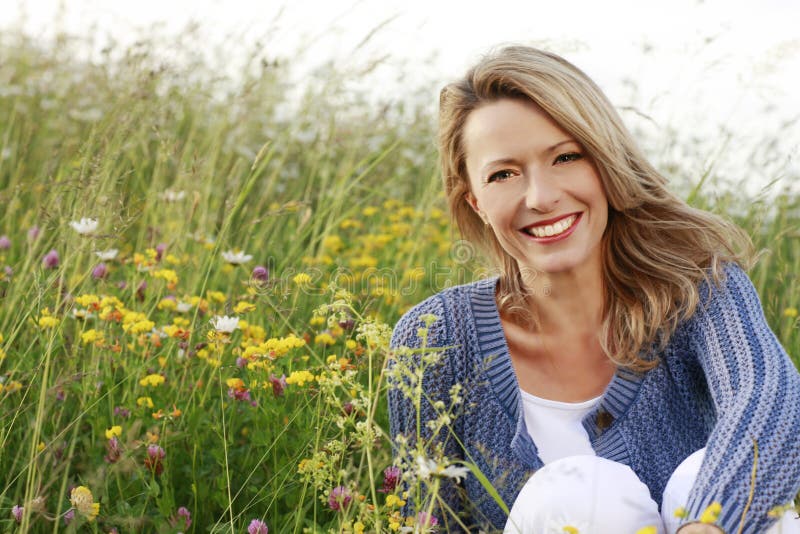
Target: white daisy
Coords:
[[183, 307], [173, 196], [236, 258], [107, 255], [85, 226], [224, 323]]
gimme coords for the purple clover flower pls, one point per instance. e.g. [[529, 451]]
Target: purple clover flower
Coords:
[[278, 384], [391, 476], [257, 526], [5, 242], [17, 512], [260, 274], [51, 260], [160, 248], [339, 498], [33, 232], [100, 271], [425, 519], [69, 515]]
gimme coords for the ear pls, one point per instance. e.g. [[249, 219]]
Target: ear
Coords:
[[473, 202]]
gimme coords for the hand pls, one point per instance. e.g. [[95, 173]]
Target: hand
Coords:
[[699, 528]]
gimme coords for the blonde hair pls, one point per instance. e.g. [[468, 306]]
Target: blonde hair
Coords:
[[656, 248]]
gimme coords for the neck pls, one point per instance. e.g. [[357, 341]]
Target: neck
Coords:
[[568, 303]]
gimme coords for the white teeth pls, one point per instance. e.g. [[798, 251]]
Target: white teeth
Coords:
[[553, 229]]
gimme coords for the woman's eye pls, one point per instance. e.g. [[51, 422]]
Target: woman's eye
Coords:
[[567, 157], [500, 175]]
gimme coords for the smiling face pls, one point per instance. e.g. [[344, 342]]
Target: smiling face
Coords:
[[536, 187]]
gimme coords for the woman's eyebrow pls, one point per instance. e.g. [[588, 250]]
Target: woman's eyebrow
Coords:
[[505, 161]]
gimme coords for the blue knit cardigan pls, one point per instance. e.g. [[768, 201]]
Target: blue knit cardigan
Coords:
[[723, 382]]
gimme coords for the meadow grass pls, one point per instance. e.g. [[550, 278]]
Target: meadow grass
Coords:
[[315, 221]]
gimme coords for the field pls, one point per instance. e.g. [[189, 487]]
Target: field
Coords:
[[198, 278]]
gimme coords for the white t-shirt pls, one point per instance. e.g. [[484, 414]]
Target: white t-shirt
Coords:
[[555, 426]]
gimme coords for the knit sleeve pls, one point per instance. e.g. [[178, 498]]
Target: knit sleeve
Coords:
[[416, 405], [755, 389]]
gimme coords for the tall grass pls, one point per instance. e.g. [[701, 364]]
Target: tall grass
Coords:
[[114, 378]]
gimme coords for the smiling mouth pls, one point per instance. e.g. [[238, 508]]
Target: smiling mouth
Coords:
[[552, 230]]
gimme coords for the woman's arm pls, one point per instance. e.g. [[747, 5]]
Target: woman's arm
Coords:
[[419, 404], [756, 392]]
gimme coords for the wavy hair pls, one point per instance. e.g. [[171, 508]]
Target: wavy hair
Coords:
[[656, 248]]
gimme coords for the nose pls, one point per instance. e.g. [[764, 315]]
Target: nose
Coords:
[[542, 194]]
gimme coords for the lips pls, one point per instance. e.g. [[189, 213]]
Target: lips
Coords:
[[558, 230]]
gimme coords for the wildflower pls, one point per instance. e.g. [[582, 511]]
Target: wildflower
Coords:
[[224, 323], [144, 401], [257, 526], [183, 516], [160, 249], [17, 512], [51, 260], [120, 411], [140, 291], [5, 242], [650, 529], [106, 255], [82, 500], [33, 232], [173, 196], [790, 312], [278, 384], [100, 271], [69, 515], [391, 476], [115, 430], [340, 498], [427, 520], [167, 274], [85, 226], [260, 274], [300, 377], [47, 321], [301, 279], [711, 513], [244, 307], [236, 258], [154, 456], [113, 449], [152, 380], [394, 500], [91, 336], [167, 303], [324, 338]]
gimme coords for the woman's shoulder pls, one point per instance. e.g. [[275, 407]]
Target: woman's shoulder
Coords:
[[439, 309]]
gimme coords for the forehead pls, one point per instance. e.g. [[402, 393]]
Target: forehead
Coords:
[[510, 125], [507, 119]]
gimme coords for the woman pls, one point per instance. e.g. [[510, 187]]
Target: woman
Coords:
[[619, 365]]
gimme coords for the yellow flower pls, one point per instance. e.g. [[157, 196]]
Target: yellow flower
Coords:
[[87, 300], [358, 527], [167, 274], [244, 307], [299, 377], [216, 295], [324, 339], [650, 529], [394, 500], [82, 500], [167, 304], [570, 529], [47, 321], [235, 383], [711, 513], [790, 312], [681, 512], [12, 386], [2, 354], [317, 321], [115, 430], [333, 243], [152, 380], [302, 279], [369, 211], [144, 401], [91, 336], [40, 446]]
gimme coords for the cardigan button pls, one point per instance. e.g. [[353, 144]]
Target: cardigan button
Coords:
[[604, 420]]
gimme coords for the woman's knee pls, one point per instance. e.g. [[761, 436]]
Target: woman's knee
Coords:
[[584, 491]]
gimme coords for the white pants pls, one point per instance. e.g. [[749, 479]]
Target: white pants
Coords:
[[598, 496]]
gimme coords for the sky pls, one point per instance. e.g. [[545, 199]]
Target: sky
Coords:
[[691, 65]]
